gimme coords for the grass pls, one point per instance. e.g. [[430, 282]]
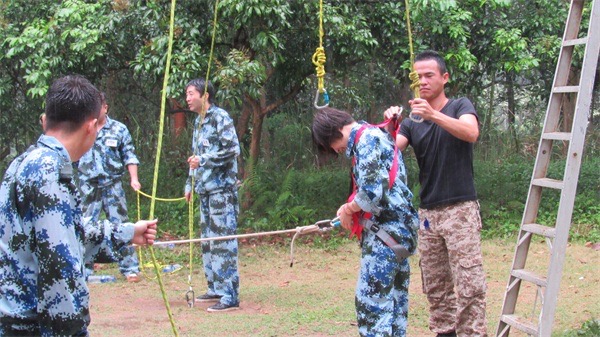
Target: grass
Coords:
[[316, 296]]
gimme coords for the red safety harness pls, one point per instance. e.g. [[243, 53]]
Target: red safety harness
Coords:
[[357, 228]]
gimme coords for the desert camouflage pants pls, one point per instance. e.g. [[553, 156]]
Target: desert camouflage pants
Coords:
[[220, 258], [111, 200], [452, 268]]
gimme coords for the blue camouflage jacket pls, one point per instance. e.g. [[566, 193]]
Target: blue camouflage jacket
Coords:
[[106, 161], [44, 243], [216, 143], [392, 209]]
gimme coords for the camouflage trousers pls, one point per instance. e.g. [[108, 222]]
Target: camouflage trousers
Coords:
[[28, 330], [452, 268], [111, 200], [381, 291], [220, 257]]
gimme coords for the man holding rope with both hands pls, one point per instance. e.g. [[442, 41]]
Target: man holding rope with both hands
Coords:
[[449, 234]]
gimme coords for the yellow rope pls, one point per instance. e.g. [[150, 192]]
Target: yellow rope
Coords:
[[319, 57], [157, 198], [413, 76], [157, 161], [318, 60]]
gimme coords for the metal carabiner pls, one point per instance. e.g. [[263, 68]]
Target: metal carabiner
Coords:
[[325, 225], [325, 99], [414, 118], [190, 298]]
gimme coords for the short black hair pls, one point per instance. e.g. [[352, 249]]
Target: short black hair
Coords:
[[200, 85], [433, 55], [102, 97], [70, 101], [326, 126]]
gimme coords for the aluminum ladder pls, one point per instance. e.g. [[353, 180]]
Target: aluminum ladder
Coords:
[[547, 286]]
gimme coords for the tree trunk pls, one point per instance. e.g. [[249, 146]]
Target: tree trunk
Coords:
[[512, 108], [242, 126], [486, 125], [257, 125]]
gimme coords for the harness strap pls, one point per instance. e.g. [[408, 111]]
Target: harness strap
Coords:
[[357, 228], [399, 250]]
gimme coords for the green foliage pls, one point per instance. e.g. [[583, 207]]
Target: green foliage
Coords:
[[589, 328], [70, 40], [294, 198], [238, 77], [502, 187]]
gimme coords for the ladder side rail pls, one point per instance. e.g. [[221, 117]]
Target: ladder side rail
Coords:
[[562, 72], [571, 174]]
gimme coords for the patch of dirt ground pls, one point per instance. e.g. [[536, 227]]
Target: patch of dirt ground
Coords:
[[316, 296]]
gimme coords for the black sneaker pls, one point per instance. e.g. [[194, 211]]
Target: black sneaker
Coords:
[[208, 298], [447, 334], [220, 307]]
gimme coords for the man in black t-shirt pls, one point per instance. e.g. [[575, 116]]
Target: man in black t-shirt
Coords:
[[450, 225]]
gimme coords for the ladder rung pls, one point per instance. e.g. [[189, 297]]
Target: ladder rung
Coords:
[[575, 42], [529, 276], [566, 89], [542, 230], [520, 324], [547, 182], [557, 135]]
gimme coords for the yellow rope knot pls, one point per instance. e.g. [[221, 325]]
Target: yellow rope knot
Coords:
[[318, 60], [415, 84]]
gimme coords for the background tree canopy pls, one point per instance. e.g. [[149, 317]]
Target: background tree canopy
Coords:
[[500, 53]]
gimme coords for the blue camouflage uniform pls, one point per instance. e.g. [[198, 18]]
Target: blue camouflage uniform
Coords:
[[382, 287], [44, 242], [100, 173], [215, 182]]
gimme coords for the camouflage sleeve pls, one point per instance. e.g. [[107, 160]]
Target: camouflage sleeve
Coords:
[[188, 182], [229, 147], [62, 296], [104, 239], [128, 149], [371, 171]]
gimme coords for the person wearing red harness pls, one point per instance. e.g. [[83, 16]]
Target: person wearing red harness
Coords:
[[449, 235], [388, 233]]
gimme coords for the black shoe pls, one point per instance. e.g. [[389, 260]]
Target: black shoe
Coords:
[[220, 307], [208, 298], [447, 334]]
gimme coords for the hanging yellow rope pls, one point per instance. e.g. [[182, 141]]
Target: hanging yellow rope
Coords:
[[415, 84], [157, 161], [318, 59], [414, 77]]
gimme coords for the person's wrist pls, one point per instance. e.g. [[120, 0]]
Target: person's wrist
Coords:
[[348, 209]]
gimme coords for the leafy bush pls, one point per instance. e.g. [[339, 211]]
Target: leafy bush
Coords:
[[502, 186], [296, 198], [589, 328]]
